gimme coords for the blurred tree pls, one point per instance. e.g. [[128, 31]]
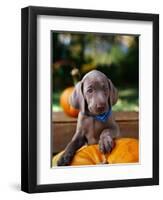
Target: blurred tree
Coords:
[[115, 55]]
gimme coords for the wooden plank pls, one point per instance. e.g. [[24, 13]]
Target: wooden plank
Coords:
[[63, 132], [61, 135], [129, 129], [61, 117]]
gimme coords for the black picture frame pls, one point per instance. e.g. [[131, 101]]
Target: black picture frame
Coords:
[[29, 98]]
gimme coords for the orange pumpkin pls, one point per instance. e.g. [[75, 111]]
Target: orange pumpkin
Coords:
[[126, 150], [64, 102]]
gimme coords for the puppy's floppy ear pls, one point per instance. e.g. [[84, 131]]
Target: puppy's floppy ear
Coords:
[[113, 93], [77, 99]]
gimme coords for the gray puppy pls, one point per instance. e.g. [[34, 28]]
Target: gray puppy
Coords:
[[94, 96]]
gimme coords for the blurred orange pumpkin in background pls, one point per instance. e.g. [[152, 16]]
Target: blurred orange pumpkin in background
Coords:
[[64, 102]]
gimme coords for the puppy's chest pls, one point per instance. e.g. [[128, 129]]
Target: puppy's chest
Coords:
[[93, 129]]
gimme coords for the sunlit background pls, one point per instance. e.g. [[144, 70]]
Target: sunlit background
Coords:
[[115, 55]]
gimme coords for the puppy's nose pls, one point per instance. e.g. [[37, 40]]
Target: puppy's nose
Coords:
[[101, 107]]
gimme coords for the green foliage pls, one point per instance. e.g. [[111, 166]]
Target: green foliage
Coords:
[[128, 100]]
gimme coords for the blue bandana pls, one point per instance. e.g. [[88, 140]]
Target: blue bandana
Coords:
[[104, 116]]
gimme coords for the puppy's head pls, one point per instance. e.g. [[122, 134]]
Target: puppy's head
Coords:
[[95, 93]]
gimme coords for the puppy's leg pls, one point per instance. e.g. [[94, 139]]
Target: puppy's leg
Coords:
[[76, 142], [106, 142]]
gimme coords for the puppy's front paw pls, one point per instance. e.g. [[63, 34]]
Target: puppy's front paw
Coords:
[[64, 160], [106, 143]]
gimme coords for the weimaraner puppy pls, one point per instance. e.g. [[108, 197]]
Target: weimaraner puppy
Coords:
[[94, 96]]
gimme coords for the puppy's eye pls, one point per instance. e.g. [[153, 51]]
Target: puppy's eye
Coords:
[[90, 90]]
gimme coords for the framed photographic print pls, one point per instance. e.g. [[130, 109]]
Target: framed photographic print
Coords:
[[90, 99]]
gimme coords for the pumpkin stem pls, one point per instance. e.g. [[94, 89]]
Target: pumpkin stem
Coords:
[[75, 75]]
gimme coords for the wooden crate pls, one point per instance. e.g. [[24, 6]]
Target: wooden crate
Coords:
[[63, 127]]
